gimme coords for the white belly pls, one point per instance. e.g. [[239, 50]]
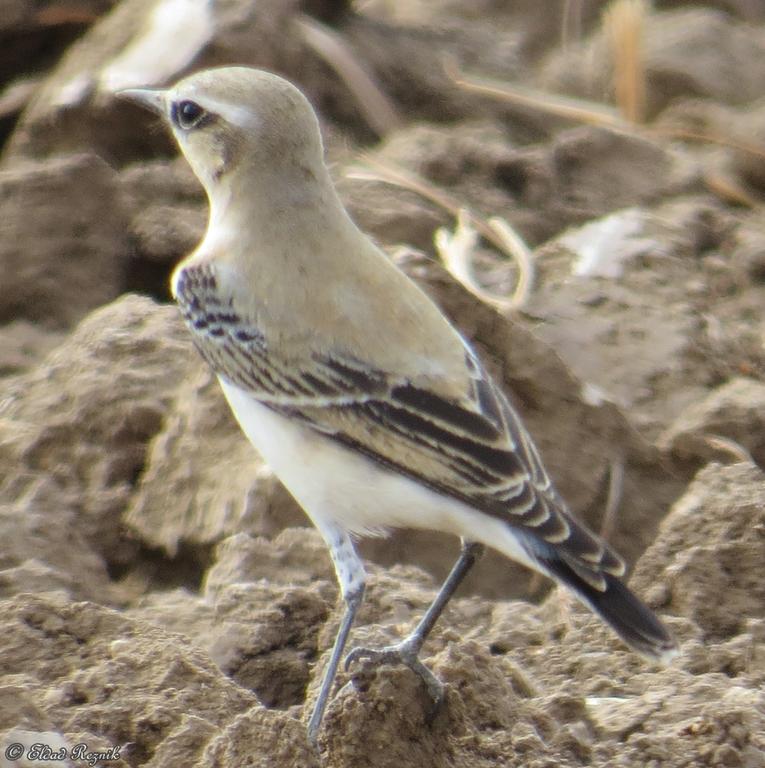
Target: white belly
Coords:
[[335, 485]]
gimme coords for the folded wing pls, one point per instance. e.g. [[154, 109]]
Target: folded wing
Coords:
[[472, 448]]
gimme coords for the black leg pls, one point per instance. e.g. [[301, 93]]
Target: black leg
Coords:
[[352, 603], [351, 577], [469, 555], [407, 651]]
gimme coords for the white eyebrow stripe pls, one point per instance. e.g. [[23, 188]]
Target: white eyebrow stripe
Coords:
[[231, 113]]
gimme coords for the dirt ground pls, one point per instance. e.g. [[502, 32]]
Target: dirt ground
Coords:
[[164, 602]]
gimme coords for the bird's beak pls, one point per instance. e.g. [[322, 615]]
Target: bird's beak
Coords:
[[151, 98]]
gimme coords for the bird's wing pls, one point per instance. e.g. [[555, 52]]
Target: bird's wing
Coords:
[[472, 448]]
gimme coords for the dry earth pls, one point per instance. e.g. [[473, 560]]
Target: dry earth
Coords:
[[159, 590]]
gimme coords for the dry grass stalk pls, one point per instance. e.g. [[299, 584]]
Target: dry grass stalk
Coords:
[[377, 108], [523, 257], [588, 112], [458, 252], [729, 446], [580, 110], [571, 24], [616, 471], [729, 190], [624, 25]]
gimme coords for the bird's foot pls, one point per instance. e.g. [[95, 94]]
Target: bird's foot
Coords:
[[406, 653]]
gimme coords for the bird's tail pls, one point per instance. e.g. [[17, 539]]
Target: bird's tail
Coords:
[[630, 618]]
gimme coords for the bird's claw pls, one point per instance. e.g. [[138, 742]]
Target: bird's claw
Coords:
[[404, 653], [376, 656]]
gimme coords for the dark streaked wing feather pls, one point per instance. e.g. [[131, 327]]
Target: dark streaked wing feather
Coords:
[[475, 450]]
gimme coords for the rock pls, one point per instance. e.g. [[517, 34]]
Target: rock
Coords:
[[97, 675], [34, 36], [168, 212], [558, 697], [63, 248], [386, 714], [731, 412], [202, 480], [23, 344], [265, 638], [296, 556], [596, 170], [44, 549], [74, 437], [260, 738], [636, 335], [710, 544], [263, 606]]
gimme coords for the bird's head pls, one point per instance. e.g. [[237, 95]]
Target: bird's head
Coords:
[[233, 118]]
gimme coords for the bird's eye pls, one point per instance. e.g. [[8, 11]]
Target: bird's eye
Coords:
[[187, 114]]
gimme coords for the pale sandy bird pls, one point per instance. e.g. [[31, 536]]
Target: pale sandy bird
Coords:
[[370, 407]]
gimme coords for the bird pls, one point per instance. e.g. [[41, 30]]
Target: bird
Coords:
[[372, 409]]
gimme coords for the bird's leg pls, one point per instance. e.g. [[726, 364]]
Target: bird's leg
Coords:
[[408, 650], [352, 579]]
